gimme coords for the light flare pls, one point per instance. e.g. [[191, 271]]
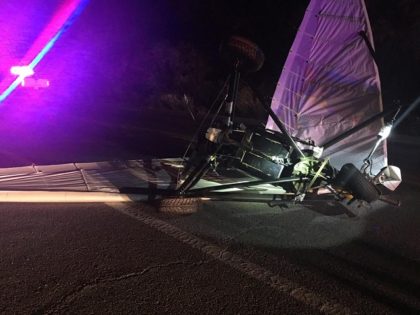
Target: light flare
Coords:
[[23, 71], [61, 21]]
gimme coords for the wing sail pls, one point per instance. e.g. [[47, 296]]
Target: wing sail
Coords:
[[330, 82]]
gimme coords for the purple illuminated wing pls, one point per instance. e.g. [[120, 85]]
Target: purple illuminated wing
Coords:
[[330, 82]]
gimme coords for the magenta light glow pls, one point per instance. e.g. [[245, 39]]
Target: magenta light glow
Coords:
[[35, 83], [56, 27]]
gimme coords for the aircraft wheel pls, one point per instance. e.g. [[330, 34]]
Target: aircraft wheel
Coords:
[[351, 179], [179, 205], [237, 48]]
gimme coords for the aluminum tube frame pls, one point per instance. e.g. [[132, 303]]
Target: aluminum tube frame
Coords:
[[247, 184], [356, 128], [201, 192]]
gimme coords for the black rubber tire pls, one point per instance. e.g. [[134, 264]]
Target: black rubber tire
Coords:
[[250, 56], [179, 205], [351, 179]]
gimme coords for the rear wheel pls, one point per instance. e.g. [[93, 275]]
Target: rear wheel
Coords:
[[351, 179]]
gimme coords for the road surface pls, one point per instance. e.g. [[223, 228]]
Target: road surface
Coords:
[[232, 258]]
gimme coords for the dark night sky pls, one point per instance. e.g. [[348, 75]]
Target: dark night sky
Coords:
[[272, 25], [162, 47], [122, 56]]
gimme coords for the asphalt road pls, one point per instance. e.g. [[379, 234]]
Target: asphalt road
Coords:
[[230, 258], [94, 259]]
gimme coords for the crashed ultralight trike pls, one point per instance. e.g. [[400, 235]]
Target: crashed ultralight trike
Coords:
[[231, 161]]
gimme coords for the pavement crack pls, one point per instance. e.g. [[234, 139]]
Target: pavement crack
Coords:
[[70, 297], [281, 284]]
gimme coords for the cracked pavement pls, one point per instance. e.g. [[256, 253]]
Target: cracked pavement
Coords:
[[92, 259]]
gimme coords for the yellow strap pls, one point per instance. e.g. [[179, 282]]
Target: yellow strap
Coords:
[[317, 174]]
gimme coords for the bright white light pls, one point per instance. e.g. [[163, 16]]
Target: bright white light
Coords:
[[385, 131], [22, 71]]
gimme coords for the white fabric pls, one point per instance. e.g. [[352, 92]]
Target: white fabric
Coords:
[[106, 177], [330, 82], [92, 177]]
